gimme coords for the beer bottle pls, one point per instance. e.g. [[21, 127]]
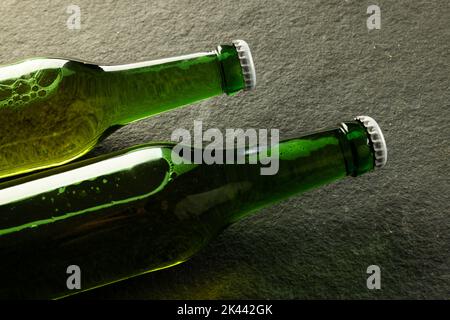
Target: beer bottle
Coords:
[[54, 110], [140, 210]]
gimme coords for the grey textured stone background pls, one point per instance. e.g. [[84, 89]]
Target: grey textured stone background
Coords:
[[317, 64]]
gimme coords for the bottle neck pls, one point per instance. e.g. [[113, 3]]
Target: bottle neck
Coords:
[[307, 163], [143, 89]]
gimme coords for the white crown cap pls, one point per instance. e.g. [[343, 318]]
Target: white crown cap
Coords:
[[246, 60], [377, 139]]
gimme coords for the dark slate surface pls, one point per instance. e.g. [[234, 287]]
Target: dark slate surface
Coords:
[[317, 64]]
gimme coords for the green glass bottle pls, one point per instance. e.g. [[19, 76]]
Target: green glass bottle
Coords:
[[54, 110], [136, 211]]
